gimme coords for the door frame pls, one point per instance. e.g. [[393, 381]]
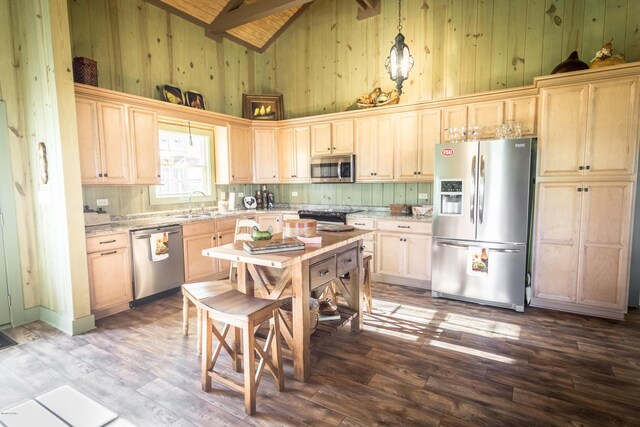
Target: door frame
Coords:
[[9, 232]]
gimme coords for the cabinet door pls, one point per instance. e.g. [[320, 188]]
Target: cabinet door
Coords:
[[562, 126], [109, 278], [428, 136], [487, 115], [390, 254], [274, 221], [302, 142], [556, 241], [523, 111], [418, 257], [143, 130], [88, 141], [366, 158], [408, 148], [453, 117], [385, 138], [342, 137], [604, 245], [197, 266], [241, 155], [321, 139], [612, 127], [265, 155], [286, 155], [114, 143]]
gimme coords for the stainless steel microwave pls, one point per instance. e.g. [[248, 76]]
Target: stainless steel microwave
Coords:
[[333, 169]]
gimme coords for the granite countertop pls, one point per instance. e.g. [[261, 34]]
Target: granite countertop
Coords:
[[128, 223]]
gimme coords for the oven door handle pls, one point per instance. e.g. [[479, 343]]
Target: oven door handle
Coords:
[[146, 236]]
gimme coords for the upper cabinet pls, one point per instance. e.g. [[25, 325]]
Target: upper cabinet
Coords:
[[293, 154], [234, 155], [332, 138], [487, 116], [143, 131], [374, 148], [523, 110], [589, 129], [265, 150], [417, 137], [103, 142]]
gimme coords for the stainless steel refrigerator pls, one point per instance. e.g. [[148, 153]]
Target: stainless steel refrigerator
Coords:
[[481, 221]]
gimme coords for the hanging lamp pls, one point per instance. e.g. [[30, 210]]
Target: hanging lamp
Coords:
[[399, 62]]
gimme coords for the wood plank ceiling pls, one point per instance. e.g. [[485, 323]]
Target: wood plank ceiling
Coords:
[[252, 23]]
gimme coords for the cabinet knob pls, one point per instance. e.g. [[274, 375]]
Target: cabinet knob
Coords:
[[588, 167], [579, 189], [580, 168], [158, 175], [328, 149], [105, 175], [586, 189], [419, 173]]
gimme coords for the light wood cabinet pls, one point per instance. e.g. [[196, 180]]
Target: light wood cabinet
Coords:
[[196, 237], [369, 242], [332, 138], [415, 145], [486, 115], [265, 151], [374, 148], [581, 247], [234, 155], [103, 142], [293, 154], [109, 267], [523, 110], [589, 129], [143, 131], [403, 250], [270, 220]]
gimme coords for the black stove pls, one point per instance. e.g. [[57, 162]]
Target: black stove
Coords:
[[327, 216]]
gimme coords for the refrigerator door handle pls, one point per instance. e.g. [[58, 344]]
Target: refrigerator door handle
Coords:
[[453, 245], [481, 192], [473, 190], [506, 251]]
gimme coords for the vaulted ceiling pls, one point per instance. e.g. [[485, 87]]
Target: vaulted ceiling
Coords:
[[252, 23]]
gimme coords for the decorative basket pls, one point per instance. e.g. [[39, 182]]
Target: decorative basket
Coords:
[[400, 209], [85, 71], [287, 313]]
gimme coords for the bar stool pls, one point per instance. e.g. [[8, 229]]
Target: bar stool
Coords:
[[245, 313]]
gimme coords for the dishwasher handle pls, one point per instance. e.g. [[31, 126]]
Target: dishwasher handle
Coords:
[[146, 236]]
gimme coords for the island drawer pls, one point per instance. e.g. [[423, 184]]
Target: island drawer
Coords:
[[322, 272], [107, 242], [346, 261]]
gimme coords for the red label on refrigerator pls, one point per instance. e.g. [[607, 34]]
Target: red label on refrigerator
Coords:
[[447, 152]]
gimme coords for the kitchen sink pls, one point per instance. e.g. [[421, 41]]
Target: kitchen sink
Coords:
[[192, 216]]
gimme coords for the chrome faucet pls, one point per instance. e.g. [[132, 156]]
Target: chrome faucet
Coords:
[[204, 196]]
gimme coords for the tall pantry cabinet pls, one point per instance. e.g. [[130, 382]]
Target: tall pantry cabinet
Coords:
[[587, 160]]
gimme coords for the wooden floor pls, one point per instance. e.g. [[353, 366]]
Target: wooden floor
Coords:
[[419, 361]]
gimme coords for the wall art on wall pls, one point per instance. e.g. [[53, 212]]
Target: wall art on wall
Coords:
[[172, 94], [262, 107]]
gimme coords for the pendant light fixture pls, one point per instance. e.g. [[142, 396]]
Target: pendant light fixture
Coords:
[[400, 61]]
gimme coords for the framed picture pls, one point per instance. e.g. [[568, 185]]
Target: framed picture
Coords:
[[194, 99], [172, 94], [262, 107]]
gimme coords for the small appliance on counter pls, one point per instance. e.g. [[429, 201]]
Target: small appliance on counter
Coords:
[[98, 217], [249, 202]]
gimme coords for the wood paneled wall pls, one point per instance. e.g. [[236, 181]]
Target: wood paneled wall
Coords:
[[327, 58]]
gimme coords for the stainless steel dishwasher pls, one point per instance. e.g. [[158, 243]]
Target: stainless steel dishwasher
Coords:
[[155, 279]]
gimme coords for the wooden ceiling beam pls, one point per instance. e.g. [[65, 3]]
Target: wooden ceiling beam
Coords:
[[240, 15]]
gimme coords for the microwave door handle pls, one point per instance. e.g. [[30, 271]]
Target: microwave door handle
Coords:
[[473, 191], [481, 192], [339, 170]]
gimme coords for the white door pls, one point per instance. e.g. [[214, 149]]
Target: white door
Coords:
[[5, 316]]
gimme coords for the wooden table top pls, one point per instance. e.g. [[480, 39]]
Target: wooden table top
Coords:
[[330, 241]]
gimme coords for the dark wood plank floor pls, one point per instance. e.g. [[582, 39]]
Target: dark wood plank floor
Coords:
[[419, 361]]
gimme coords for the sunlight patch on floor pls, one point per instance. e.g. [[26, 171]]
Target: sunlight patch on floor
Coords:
[[472, 352], [482, 327]]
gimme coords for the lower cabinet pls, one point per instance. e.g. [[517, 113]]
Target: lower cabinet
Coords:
[[368, 243], [270, 220], [109, 264], [196, 237], [581, 247]]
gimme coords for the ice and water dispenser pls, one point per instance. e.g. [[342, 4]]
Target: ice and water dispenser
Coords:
[[450, 197]]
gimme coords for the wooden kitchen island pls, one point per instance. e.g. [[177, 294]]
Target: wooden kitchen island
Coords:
[[302, 271]]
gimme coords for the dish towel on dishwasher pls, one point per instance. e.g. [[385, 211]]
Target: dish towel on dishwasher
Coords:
[[159, 244]]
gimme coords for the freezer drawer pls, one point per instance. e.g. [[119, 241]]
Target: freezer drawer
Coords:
[[460, 270]]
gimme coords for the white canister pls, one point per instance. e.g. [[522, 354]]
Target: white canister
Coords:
[[223, 206], [232, 202]]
